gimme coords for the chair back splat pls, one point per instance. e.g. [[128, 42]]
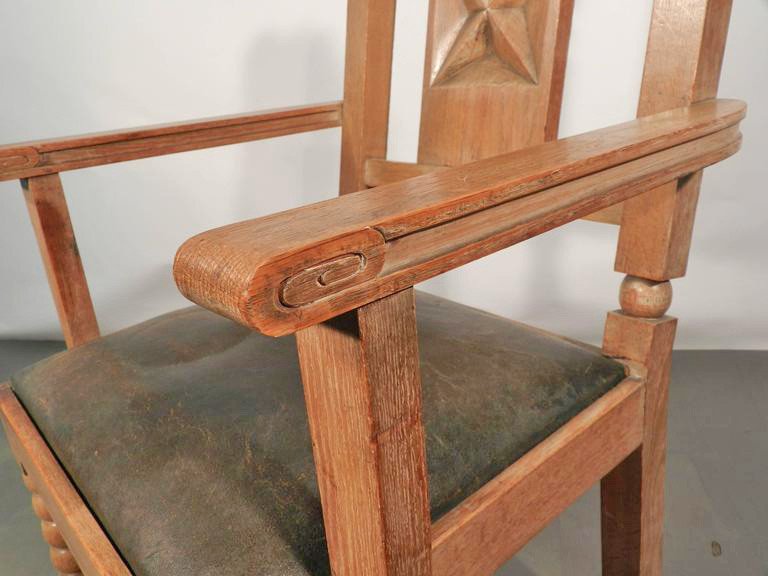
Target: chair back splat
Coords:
[[493, 79], [493, 83]]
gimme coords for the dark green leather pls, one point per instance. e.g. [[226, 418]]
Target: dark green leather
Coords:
[[187, 434]]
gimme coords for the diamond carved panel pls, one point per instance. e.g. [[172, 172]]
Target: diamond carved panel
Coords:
[[493, 46]]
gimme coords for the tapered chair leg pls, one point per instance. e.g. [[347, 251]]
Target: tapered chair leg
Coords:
[[633, 493], [632, 518]]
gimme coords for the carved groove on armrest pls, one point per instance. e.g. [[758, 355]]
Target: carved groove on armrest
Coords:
[[287, 271], [70, 153]]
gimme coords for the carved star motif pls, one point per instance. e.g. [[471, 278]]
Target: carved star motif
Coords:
[[493, 45]]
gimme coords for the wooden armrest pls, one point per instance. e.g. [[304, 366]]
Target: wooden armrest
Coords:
[[290, 270], [61, 154]]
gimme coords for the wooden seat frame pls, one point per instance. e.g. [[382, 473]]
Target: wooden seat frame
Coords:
[[339, 275]]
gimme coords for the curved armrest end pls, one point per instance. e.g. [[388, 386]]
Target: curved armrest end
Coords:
[[281, 292]]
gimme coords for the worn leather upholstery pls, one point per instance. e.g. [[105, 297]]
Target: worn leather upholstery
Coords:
[[187, 434]]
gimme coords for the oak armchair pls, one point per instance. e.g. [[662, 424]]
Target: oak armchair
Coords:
[[314, 415]]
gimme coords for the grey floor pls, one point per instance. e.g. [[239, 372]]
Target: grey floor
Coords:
[[717, 506]]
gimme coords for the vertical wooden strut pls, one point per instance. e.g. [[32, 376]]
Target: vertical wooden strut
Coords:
[[368, 74], [685, 52], [362, 387], [50, 219]]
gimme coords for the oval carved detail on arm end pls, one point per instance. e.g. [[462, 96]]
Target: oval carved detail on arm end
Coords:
[[322, 280], [306, 283]]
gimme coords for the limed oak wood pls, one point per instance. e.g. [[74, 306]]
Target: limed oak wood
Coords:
[[363, 394], [493, 85], [685, 52], [381, 172], [411, 231], [61, 557], [57, 499], [70, 153], [683, 63], [53, 228], [480, 534], [434, 250], [368, 73], [633, 493], [485, 63]]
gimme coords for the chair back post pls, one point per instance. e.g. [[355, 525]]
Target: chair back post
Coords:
[[49, 214], [683, 62], [367, 82]]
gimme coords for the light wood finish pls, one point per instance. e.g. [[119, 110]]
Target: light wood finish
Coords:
[[645, 298], [380, 172], [56, 501], [368, 73], [480, 534], [53, 228], [340, 273], [685, 52], [363, 394], [408, 232], [487, 61], [633, 493], [683, 62], [61, 154]]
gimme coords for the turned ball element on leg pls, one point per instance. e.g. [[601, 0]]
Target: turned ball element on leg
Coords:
[[645, 298]]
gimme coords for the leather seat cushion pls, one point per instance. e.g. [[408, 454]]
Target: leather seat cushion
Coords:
[[187, 434]]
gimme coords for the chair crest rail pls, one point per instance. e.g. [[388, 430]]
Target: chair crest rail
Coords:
[[70, 153], [287, 271]]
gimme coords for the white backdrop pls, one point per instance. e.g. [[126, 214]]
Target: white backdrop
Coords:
[[73, 67]]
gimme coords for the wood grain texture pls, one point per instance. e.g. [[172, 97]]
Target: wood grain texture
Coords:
[[683, 63], [485, 63], [368, 73], [30, 159], [363, 393], [480, 534], [411, 231], [633, 493], [645, 298], [53, 229], [685, 52], [380, 172], [56, 500]]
